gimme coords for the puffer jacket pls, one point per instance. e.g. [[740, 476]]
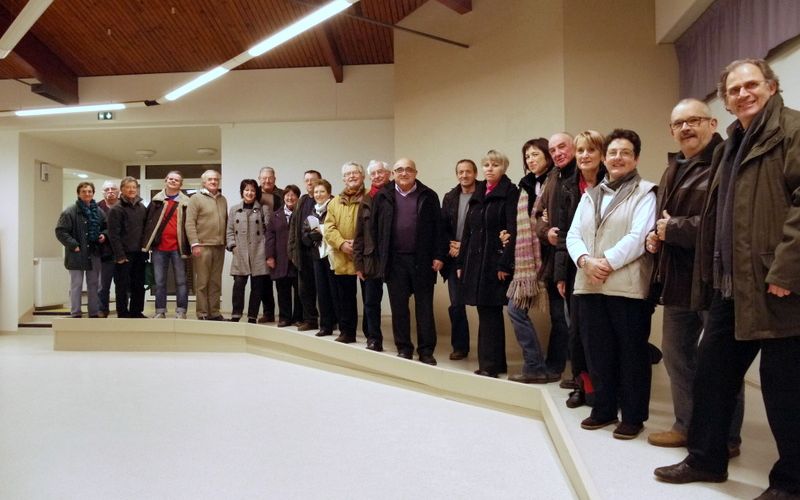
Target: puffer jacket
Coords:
[[766, 228], [246, 238], [681, 193]]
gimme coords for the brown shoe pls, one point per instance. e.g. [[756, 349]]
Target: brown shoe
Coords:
[[667, 439], [457, 355], [682, 473], [306, 326], [345, 339], [592, 424], [627, 430], [529, 378]]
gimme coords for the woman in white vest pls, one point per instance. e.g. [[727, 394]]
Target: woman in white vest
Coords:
[[606, 241]]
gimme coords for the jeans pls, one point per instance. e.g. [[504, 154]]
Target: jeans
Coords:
[[459, 326], [681, 333], [722, 362], [161, 262], [76, 288], [106, 276], [527, 339]]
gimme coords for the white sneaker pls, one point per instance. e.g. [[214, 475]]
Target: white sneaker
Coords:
[[160, 316], [180, 315]]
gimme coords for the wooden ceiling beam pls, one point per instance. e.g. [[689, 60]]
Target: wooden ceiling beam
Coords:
[[460, 6], [57, 81], [329, 52]]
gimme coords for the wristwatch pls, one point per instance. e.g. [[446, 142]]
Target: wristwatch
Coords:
[[582, 260]]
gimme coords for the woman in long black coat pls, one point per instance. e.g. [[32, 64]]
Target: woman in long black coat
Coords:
[[485, 266]]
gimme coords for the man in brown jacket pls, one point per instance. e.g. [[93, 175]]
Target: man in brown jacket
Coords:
[[206, 221], [746, 265]]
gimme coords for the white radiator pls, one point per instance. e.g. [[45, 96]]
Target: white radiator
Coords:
[[52, 282]]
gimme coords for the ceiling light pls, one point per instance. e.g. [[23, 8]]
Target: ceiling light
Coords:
[[206, 151], [145, 153], [23, 22], [197, 82], [70, 109], [300, 26], [304, 24], [82, 176]]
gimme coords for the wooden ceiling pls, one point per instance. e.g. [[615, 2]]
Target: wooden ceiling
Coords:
[[81, 38]]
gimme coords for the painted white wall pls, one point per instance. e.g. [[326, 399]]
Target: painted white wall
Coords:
[[294, 147], [11, 242]]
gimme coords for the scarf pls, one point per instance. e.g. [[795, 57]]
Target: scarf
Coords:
[[349, 196], [614, 185], [524, 288], [320, 208], [736, 149], [92, 215]]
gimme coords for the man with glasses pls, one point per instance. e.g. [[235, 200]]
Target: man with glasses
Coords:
[[272, 197], [110, 198], [746, 273], [680, 201], [411, 250], [165, 236]]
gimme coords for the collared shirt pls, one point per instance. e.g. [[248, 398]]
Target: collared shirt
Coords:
[[405, 193]]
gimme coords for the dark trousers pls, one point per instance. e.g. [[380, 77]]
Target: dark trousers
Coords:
[[307, 286], [268, 297], [327, 294], [237, 298], [459, 326], [721, 365], [577, 356], [559, 332], [491, 339], [288, 309], [129, 282], [106, 275], [407, 280], [372, 295], [616, 331], [348, 305]]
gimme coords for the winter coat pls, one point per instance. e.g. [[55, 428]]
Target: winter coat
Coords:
[[153, 226], [556, 197], [207, 219], [431, 244], [277, 246], [365, 248], [340, 226], [313, 237], [126, 227], [766, 228], [246, 239], [482, 254], [681, 193], [450, 225], [72, 231], [298, 247]]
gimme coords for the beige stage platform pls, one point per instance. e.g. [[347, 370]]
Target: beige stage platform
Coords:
[[289, 345]]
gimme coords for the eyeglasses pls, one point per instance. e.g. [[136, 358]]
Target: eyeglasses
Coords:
[[692, 121], [750, 86], [625, 153], [352, 173], [404, 170]]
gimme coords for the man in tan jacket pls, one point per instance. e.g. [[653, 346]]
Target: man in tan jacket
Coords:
[[206, 220]]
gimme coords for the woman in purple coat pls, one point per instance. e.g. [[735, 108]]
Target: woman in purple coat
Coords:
[[282, 271]]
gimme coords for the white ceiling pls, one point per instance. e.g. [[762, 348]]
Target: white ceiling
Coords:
[[171, 144]]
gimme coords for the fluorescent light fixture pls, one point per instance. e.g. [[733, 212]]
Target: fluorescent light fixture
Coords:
[[24, 21], [197, 82], [70, 109], [83, 176], [300, 26]]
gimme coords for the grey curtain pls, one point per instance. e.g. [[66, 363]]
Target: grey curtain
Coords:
[[730, 30]]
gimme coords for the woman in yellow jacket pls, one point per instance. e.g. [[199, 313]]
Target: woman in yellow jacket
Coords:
[[340, 231]]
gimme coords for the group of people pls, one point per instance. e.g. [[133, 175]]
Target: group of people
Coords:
[[581, 236]]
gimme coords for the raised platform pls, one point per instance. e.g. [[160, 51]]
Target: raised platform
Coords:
[[204, 336]]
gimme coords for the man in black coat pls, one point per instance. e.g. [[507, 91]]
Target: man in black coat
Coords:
[[407, 228]]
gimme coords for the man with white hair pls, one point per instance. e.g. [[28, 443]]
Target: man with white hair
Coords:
[[206, 223], [110, 198], [272, 197]]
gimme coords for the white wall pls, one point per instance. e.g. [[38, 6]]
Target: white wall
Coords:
[[11, 243]]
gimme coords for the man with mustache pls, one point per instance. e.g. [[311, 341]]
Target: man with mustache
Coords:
[[680, 201]]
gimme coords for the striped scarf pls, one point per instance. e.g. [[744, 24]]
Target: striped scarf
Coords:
[[525, 290]]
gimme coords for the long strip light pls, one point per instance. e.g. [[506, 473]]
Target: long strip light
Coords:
[[70, 109], [23, 22], [197, 82], [322, 14], [304, 24]]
